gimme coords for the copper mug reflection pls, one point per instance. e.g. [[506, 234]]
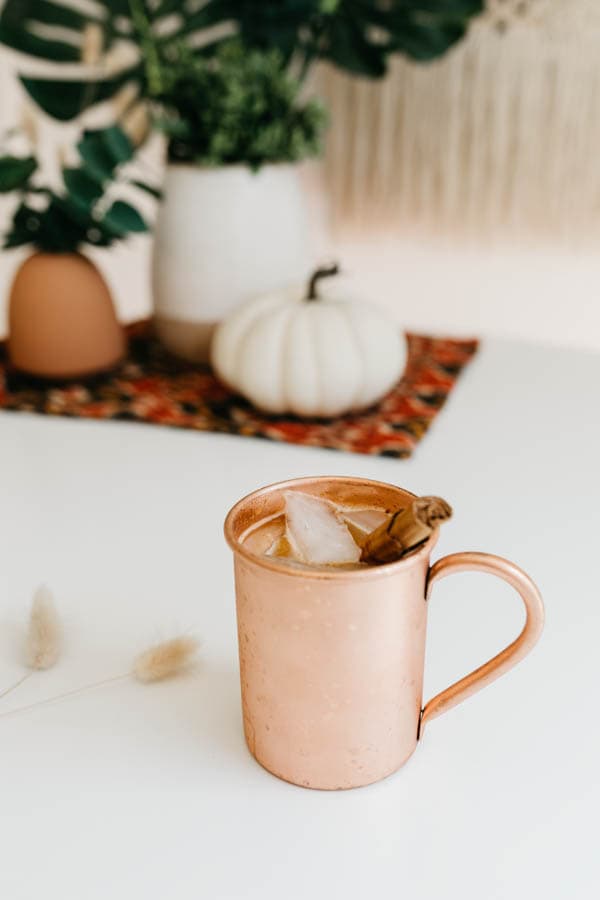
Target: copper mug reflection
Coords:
[[331, 662]]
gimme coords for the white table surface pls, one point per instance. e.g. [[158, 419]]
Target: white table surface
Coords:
[[149, 792]]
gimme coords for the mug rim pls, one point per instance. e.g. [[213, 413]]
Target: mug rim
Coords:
[[266, 562]]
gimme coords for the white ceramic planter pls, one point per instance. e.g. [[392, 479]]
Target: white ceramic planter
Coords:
[[224, 236]]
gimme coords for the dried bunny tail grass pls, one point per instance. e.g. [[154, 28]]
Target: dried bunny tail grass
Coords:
[[165, 660], [44, 633], [43, 641]]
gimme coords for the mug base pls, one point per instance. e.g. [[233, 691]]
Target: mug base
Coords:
[[340, 785]]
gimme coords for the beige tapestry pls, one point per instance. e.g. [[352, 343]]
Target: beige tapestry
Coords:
[[501, 138]]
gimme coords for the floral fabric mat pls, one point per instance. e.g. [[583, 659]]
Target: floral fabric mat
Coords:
[[153, 387]]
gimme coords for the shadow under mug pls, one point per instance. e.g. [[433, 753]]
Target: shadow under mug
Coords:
[[331, 661]]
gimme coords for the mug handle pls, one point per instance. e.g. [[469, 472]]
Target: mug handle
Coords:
[[507, 658]]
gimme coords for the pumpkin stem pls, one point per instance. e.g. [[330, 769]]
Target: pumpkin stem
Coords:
[[323, 272]]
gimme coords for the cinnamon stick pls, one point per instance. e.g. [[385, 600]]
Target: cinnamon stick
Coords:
[[407, 529]]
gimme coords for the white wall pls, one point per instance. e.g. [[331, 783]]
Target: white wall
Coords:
[[534, 292]]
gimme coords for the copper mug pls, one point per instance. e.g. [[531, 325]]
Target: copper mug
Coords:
[[331, 661]]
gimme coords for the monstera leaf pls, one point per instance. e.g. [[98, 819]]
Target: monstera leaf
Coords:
[[355, 35], [66, 99], [287, 26], [426, 29], [34, 26], [56, 32], [359, 36], [15, 172], [77, 214], [122, 219]]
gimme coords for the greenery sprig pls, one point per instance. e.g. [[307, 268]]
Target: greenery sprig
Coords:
[[236, 107]]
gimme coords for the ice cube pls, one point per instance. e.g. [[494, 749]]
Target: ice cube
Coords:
[[361, 522], [280, 548], [261, 538], [316, 533]]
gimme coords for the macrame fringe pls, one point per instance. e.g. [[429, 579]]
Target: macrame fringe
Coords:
[[501, 138]]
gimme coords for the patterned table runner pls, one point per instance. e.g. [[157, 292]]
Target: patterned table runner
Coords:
[[153, 387]]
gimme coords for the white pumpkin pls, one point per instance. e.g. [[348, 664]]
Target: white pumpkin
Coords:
[[296, 352]]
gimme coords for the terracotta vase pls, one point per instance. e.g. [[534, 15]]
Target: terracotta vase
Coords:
[[62, 322]]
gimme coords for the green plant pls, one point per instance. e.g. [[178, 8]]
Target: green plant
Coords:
[[357, 36], [250, 111], [61, 221]]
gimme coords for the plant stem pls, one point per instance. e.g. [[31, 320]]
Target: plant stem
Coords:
[[310, 56], [311, 48], [57, 697], [323, 272], [16, 684], [304, 69], [150, 55]]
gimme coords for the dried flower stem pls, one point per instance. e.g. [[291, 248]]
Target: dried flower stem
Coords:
[[162, 661], [57, 697], [16, 684]]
